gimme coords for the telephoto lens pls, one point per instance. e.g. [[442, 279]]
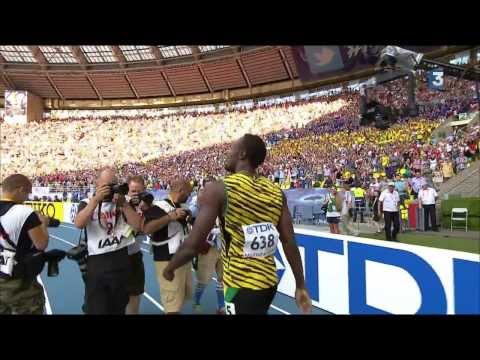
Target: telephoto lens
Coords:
[[53, 268], [53, 257]]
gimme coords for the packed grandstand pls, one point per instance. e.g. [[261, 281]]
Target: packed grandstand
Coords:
[[309, 139]]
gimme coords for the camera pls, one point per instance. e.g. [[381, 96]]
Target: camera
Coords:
[[77, 253], [395, 57], [53, 222], [143, 196], [117, 189], [188, 219], [53, 257]]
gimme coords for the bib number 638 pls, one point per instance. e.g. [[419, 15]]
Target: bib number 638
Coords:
[[260, 239], [255, 245]]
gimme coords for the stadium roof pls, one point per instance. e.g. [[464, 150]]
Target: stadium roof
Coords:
[[140, 71], [98, 72]]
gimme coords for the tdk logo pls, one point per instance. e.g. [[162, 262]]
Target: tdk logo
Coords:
[[363, 276], [259, 228]]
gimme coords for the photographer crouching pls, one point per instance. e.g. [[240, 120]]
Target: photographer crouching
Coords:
[[169, 225], [110, 222], [23, 237]]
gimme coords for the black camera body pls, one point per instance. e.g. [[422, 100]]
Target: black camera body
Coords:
[[77, 253], [117, 189], [188, 219], [143, 196], [53, 222]]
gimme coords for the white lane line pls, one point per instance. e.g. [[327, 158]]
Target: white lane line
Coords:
[[272, 306], [48, 308], [65, 241], [69, 227], [153, 301], [281, 310]]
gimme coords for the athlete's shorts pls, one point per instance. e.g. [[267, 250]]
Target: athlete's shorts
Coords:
[[174, 293], [136, 278], [333, 220], [247, 301], [19, 296], [208, 264]]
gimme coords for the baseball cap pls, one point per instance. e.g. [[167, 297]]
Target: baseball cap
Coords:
[[391, 183]]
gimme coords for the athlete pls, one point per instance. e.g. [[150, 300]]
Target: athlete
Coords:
[[254, 216]]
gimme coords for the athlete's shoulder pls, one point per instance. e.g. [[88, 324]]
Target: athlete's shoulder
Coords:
[[234, 176], [274, 187]]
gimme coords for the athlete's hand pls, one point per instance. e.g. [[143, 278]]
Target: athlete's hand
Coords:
[[303, 300], [168, 274]]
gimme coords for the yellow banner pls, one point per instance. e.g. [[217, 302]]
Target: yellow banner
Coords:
[[50, 209]]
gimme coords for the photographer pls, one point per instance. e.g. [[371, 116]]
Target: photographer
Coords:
[[23, 237], [110, 222], [136, 282], [168, 225]]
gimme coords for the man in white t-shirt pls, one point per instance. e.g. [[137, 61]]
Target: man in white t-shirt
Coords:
[[426, 200], [389, 201]]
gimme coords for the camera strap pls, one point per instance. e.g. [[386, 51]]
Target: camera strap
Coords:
[[3, 233], [84, 238], [117, 211], [5, 236]]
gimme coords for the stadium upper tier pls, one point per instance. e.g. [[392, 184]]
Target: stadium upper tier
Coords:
[[66, 76], [72, 147]]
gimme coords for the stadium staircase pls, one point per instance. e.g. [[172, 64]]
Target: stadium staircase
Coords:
[[465, 184]]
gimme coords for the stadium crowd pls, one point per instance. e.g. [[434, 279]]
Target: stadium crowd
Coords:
[[310, 140]]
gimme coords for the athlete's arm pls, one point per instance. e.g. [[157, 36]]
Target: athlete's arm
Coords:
[[285, 228], [210, 207]]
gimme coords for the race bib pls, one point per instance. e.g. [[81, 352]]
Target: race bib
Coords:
[[229, 308], [260, 239], [7, 261]]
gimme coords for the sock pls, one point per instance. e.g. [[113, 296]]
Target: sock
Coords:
[[220, 297], [199, 289]]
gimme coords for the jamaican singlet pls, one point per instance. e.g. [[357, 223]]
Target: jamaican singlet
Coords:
[[250, 237]]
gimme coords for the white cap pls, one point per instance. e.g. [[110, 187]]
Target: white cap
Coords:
[[391, 183]]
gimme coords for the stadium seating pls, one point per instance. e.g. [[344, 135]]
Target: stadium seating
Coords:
[[308, 140]]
